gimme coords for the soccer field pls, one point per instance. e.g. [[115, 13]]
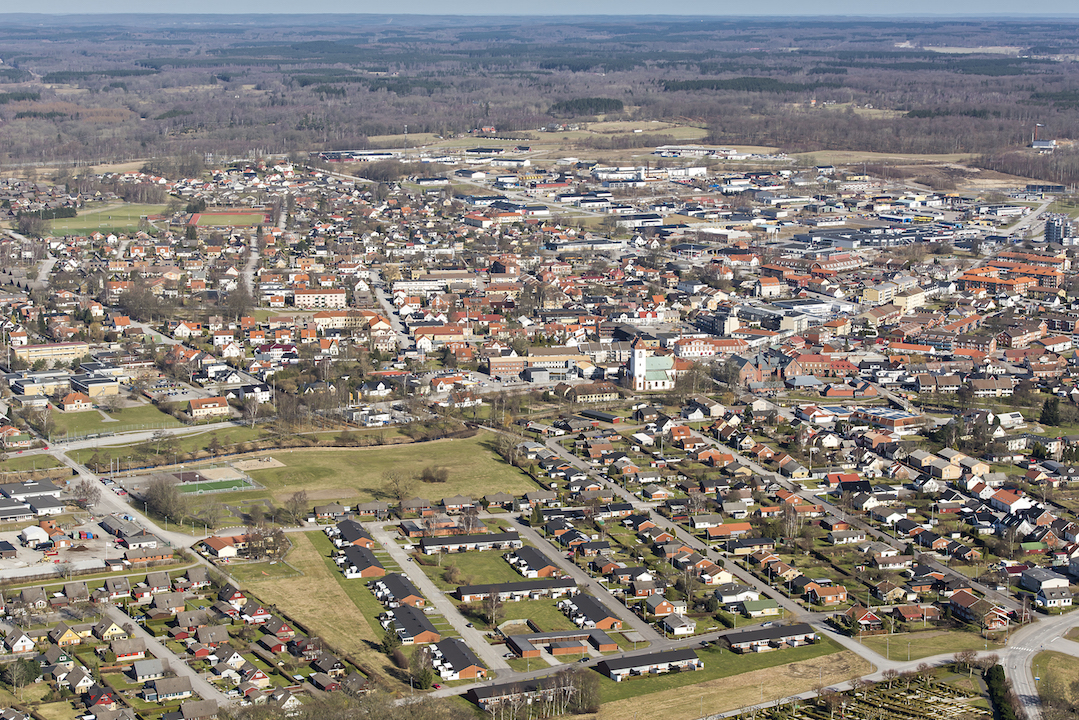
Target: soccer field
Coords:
[[112, 218], [229, 219]]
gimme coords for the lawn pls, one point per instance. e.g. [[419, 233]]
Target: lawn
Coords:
[[544, 613], [729, 681], [77, 423], [1057, 670], [91, 421], [318, 601], [358, 473], [120, 218], [22, 463], [925, 644], [476, 568]]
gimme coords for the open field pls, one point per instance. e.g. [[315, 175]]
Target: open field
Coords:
[[1059, 671], [212, 219], [260, 572], [196, 488], [17, 463], [729, 681], [924, 644], [77, 423], [91, 421], [358, 474], [114, 218], [846, 157], [475, 568], [317, 600]]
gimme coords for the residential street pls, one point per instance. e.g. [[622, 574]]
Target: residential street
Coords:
[[489, 654], [200, 684]]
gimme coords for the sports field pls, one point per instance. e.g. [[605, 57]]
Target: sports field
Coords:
[[111, 218], [228, 219], [213, 485]]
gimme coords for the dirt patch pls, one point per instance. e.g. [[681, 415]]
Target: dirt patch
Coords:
[[731, 693], [262, 463]]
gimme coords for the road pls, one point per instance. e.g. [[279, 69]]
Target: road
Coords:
[[403, 338], [198, 683], [486, 652], [585, 580]]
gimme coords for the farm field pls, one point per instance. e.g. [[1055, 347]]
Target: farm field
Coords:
[[357, 474], [113, 218], [729, 681], [926, 644], [260, 571]]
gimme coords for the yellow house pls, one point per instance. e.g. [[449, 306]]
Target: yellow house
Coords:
[[108, 631], [64, 636]]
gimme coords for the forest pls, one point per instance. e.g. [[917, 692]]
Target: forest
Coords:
[[88, 89]]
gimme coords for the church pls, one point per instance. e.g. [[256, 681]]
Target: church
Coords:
[[648, 372]]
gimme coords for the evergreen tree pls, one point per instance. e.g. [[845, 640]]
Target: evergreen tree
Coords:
[[1050, 412]]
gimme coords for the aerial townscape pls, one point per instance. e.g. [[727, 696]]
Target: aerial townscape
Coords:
[[467, 368]]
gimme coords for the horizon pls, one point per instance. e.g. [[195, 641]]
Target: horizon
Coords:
[[916, 11]]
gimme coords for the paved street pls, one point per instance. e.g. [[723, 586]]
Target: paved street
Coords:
[[200, 684], [489, 654]]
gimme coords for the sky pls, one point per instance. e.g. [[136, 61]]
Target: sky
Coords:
[[908, 9]]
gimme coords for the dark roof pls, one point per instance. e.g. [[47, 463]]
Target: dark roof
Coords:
[[772, 633], [458, 655], [592, 608], [625, 663], [533, 558], [411, 622], [361, 557], [467, 539], [399, 586], [351, 531]]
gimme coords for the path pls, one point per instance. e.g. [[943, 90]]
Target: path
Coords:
[[198, 683]]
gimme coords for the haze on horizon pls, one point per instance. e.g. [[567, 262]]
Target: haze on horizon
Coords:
[[910, 10]]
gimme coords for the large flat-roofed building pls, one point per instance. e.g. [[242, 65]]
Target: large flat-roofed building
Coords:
[[63, 352], [330, 298]]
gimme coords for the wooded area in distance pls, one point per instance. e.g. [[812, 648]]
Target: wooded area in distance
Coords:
[[112, 88]]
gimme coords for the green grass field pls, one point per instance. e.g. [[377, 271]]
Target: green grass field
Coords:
[[924, 644], [22, 463], [475, 568], [358, 474], [211, 219], [118, 218], [90, 421], [718, 663], [196, 488]]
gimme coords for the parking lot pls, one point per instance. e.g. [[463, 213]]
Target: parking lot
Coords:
[[80, 552]]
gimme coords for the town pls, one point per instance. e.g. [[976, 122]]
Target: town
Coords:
[[550, 435]]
